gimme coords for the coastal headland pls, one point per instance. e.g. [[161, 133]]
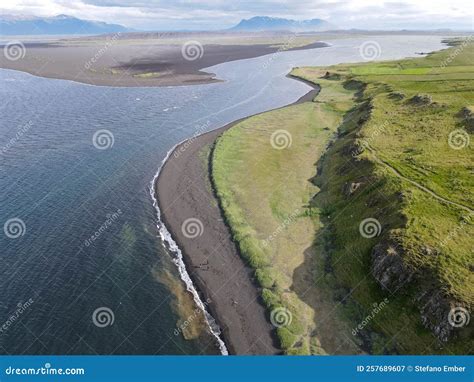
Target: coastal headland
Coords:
[[354, 238]]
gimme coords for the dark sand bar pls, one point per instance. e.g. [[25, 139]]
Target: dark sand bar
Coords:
[[128, 61]]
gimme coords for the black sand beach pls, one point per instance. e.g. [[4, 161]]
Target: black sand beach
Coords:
[[184, 191]]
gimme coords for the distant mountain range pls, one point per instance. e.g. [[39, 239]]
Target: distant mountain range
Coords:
[[68, 25], [57, 25], [265, 23]]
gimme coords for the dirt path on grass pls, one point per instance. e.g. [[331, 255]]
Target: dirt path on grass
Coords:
[[418, 185]]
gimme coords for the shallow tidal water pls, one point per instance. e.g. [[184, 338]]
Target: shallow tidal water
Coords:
[[64, 190]]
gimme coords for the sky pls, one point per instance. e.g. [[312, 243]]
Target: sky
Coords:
[[220, 14]]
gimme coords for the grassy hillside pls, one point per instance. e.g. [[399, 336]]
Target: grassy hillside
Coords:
[[390, 208]]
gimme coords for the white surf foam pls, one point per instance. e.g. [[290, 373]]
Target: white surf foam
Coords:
[[178, 260]]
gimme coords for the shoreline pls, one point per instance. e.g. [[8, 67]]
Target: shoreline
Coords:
[[245, 330], [179, 262]]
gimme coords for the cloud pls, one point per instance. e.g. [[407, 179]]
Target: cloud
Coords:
[[218, 14]]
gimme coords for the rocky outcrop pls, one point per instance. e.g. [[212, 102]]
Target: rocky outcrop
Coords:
[[397, 96], [467, 118], [332, 76], [421, 100], [441, 314], [388, 267]]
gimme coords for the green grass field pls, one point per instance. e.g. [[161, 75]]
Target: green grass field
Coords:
[[402, 157], [263, 185]]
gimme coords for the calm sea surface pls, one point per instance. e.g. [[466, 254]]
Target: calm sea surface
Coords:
[[62, 190]]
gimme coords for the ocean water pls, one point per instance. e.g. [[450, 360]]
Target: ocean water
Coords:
[[84, 270]]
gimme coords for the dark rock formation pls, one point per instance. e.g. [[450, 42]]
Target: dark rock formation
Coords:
[[388, 267], [397, 96], [467, 116], [441, 314], [421, 100]]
